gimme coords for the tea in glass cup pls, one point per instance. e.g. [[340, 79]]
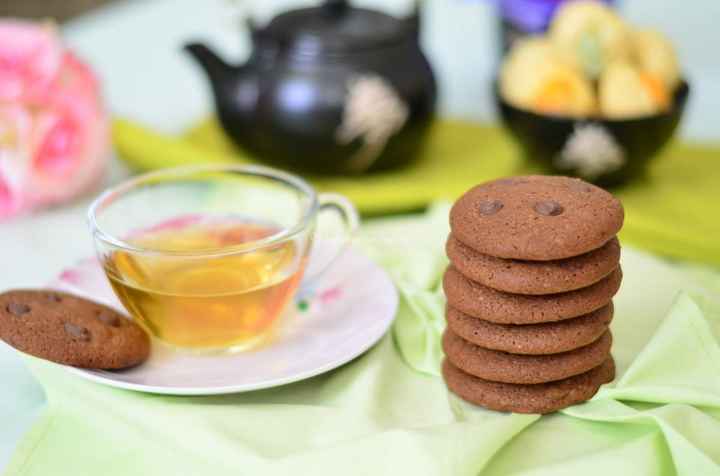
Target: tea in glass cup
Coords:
[[209, 257]]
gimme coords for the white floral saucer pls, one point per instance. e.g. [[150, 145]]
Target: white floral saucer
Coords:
[[345, 311]]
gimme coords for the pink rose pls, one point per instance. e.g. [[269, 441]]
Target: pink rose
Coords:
[[54, 132], [15, 131], [30, 56]]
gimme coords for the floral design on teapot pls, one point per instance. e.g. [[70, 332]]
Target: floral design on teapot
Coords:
[[373, 113]]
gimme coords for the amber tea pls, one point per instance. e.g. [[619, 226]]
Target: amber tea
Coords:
[[218, 299], [208, 257]]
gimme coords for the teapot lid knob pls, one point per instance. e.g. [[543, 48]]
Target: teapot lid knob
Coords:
[[336, 7], [336, 27]]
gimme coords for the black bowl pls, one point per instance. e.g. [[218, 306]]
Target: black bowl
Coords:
[[603, 151]]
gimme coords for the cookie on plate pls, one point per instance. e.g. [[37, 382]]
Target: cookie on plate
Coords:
[[537, 398], [499, 366], [70, 330], [534, 277], [532, 339], [537, 218], [500, 307]]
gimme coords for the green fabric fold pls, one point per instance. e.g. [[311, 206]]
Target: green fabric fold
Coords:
[[679, 370], [690, 435], [681, 364]]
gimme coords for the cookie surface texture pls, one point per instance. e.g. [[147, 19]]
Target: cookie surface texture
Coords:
[[532, 339], [536, 218], [70, 330], [500, 307], [538, 398], [498, 366], [534, 277]]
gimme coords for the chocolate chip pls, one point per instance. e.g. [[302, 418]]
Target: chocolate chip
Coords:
[[490, 207], [549, 208], [77, 332], [18, 309], [110, 319], [54, 298]]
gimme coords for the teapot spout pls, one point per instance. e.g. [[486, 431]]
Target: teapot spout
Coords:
[[216, 69], [413, 21]]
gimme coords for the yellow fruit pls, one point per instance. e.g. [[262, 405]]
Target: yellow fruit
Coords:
[[536, 78], [590, 35], [655, 55], [655, 86], [626, 92]]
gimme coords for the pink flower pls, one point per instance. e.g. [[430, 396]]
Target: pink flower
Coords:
[[30, 56], [15, 150], [54, 132]]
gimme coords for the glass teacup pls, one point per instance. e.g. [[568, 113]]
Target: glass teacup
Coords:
[[207, 258]]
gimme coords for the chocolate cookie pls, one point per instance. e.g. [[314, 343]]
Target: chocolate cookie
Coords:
[[538, 398], [70, 330], [500, 307], [532, 339], [500, 366], [534, 277], [536, 218]]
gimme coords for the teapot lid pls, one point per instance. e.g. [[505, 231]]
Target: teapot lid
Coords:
[[337, 27]]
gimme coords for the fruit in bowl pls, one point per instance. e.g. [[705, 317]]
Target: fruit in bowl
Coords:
[[590, 35], [536, 77], [595, 97]]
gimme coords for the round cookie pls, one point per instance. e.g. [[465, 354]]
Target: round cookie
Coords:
[[70, 330], [485, 303], [532, 339], [499, 366], [534, 277], [538, 398], [536, 218]]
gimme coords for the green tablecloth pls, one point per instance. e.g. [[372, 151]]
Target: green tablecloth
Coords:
[[673, 212], [387, 412]]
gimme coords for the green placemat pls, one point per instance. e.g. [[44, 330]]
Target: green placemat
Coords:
[[674, 212], [458, 156], [387, 412]]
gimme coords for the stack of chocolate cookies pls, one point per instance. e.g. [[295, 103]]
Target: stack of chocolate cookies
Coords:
[[534, 268]]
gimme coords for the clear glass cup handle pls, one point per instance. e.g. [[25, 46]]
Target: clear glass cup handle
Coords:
[[333, 203]]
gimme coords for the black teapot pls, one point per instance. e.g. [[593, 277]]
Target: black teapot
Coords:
[[331, 89]]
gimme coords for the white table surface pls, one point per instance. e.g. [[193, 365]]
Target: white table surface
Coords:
[[134, 45]]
